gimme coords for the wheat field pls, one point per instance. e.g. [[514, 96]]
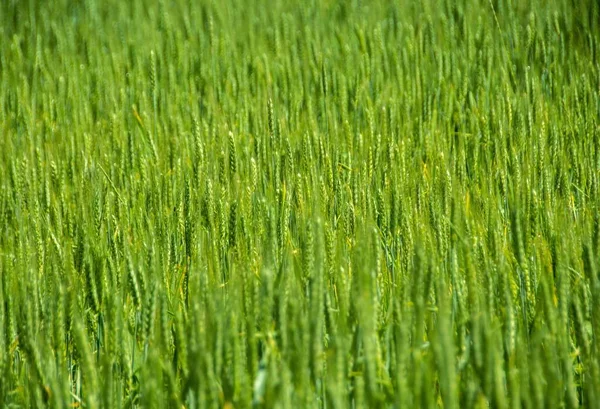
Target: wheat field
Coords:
[[300, 204]]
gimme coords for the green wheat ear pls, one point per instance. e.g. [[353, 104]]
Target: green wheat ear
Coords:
[[271, 123], [232, 155]]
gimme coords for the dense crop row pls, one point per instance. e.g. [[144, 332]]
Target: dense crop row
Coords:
[[300, 204]]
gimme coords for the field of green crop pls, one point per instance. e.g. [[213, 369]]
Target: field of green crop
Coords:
[[300, 204]]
